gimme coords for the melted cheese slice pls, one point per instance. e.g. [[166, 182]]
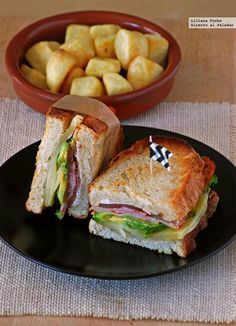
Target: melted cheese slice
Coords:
[[189, 225]]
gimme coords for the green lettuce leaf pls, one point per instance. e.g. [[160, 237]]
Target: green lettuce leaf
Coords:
[[213, 181]]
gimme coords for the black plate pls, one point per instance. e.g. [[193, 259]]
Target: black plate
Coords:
[[67, 245]]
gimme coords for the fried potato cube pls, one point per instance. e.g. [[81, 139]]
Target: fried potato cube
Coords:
[[143, 71], [73, 31], [158, 48], [38, 55], [58, 66], [128, 45], [74, 73], [34, 76], [99, 66], [54, 45], [104, 29], [104, 46], [116, 84], [81, 49], [87, 86]]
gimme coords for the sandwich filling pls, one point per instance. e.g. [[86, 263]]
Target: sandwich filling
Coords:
[[68, 176], [124, 221], [60, 166], [63, 176]]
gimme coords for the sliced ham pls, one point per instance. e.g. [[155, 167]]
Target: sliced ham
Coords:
[[73, 181], [121, 210]]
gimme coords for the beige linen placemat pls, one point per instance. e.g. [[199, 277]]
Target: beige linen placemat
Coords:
[[204, 293]]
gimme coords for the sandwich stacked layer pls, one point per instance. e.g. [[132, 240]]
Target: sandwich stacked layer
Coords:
[[74, 148], [154, 208]]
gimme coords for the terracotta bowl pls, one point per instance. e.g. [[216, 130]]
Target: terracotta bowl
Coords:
[[54, 27]]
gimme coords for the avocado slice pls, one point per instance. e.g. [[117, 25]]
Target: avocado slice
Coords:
[[62, 171], [131, 222], [62, 156]]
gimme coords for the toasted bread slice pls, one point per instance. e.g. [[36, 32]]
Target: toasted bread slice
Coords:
[[182, 247], [92, 142], [90, 155], [168, 194], [57, 121]]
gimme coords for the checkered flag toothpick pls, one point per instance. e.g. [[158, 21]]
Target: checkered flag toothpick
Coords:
[[159, 153]]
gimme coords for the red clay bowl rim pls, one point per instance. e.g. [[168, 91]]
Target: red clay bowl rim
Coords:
[[171, 69]]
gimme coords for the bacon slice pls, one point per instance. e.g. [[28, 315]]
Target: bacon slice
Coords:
[[121, 210]]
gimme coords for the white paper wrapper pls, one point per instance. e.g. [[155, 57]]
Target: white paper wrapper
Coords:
[[89, 106]]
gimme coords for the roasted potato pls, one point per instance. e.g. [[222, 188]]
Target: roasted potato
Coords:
[[87, 86], [39, 54], [128, 45], [93, 52], [158, 48], [81, 49], [104, 46], [73, 31], [74, 73], [143, 71], [58, 66], [105, 29], [116, 84], [99, 66], [34, 76], [54, 45]]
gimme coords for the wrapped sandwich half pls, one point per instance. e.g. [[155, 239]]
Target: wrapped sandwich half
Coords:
[[154, 208], [74, 148]]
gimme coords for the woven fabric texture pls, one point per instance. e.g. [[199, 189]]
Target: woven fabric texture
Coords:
[[204, 292]]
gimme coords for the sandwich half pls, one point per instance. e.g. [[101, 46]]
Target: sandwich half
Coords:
[[73, 149], [159, 209]]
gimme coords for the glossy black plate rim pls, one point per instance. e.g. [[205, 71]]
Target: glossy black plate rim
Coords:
[[153, 131]]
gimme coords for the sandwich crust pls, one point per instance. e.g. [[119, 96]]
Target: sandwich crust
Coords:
[[61, 115], [96, 125], [168, 194], [188, 243]]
